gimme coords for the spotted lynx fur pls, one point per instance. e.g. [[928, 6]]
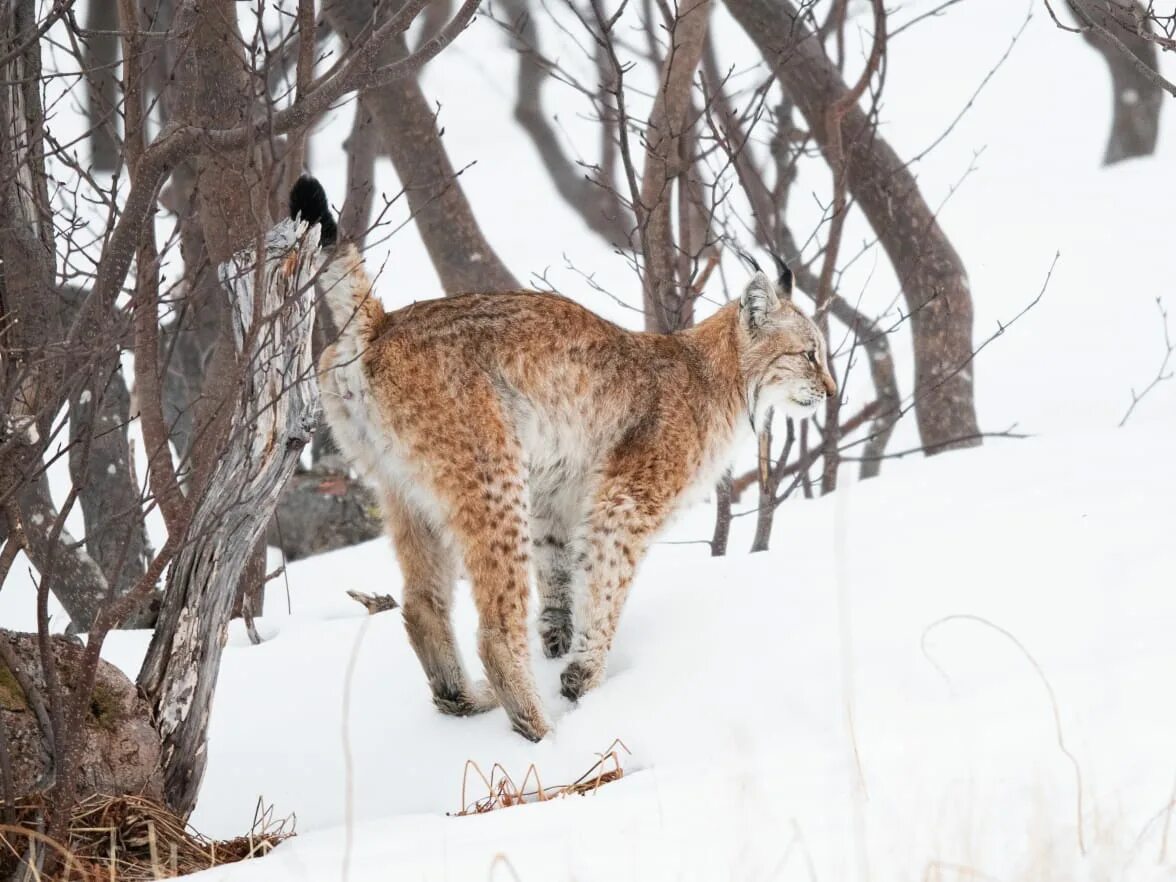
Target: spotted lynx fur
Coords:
[[511, 433]]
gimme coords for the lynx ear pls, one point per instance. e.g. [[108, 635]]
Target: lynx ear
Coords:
[[758, 301], [785, 280]]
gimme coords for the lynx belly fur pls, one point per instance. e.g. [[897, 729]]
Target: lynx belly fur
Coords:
[[519, 432]]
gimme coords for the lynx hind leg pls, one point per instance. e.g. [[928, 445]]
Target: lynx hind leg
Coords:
[[629, 507], [553, 519], [497, 560], [429, 566], [477, 471]]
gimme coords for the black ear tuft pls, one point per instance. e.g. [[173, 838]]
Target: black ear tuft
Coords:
[[785, 280], [308, 201], [748, 259]]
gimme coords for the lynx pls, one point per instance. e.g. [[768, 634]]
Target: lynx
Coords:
[[510, 431]]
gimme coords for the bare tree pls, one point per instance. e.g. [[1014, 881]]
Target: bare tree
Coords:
[[460, 252], [1124, 33], [934, 282], [218, 454]]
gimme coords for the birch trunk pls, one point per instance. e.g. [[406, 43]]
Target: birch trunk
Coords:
[[273, 418]]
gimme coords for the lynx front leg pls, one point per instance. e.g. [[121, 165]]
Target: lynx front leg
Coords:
[[557, 508], [625, 516]]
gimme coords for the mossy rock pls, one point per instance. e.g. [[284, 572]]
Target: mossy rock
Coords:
[[120, 747], [12, 697], [106, 707]]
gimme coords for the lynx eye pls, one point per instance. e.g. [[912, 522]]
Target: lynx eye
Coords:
[[811, 355]]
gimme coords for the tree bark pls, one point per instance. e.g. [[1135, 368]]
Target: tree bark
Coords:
[[669, 304], [1136, 98], [99, 61], [722, 532], [933, 278], [363, 148], [594, 196], [32, 315], [100, 466], [272, 419], [33, 318], [235, 477], [461, 255]]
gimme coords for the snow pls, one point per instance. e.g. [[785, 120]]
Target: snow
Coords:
[[733, 683], [960, 670]]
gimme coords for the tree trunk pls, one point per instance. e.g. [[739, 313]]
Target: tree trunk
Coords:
[[31, 314], [934, 282], [722, 531], [100, 466], [100, 63], [669, 304], [461, 255], [272, 419], [33, 318], [78, 582], [363, 148], [1137, 99], [593, 196]]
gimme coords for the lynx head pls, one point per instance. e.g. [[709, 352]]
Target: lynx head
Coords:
[[783, 355]]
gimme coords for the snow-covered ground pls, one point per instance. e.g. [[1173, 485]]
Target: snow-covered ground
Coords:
[[944, 668], [959, 671]]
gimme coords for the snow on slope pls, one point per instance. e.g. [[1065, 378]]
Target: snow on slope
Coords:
[[731, 681]]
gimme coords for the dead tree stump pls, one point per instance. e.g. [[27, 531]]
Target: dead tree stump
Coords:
[[272, 418]]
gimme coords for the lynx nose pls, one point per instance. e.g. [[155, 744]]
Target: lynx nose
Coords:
[[829, 383]]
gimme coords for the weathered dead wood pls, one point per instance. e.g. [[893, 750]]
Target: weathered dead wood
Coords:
[[272, 419], [374, 603]]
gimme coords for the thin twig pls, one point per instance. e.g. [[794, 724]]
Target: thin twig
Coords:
[[1162, 374]]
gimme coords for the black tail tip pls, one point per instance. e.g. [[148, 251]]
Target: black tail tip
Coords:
[[308, 201]]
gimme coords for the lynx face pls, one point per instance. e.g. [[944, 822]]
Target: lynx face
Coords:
[[784, 356]]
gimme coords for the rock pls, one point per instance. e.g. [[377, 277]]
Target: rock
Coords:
[[121, 748], [322, 510]]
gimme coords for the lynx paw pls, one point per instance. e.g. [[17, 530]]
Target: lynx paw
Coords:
[[476, 700], [555, 630], [577, 678], [531, 729]]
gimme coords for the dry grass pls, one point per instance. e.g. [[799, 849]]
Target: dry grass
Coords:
[[131, 839], [503, 792]]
